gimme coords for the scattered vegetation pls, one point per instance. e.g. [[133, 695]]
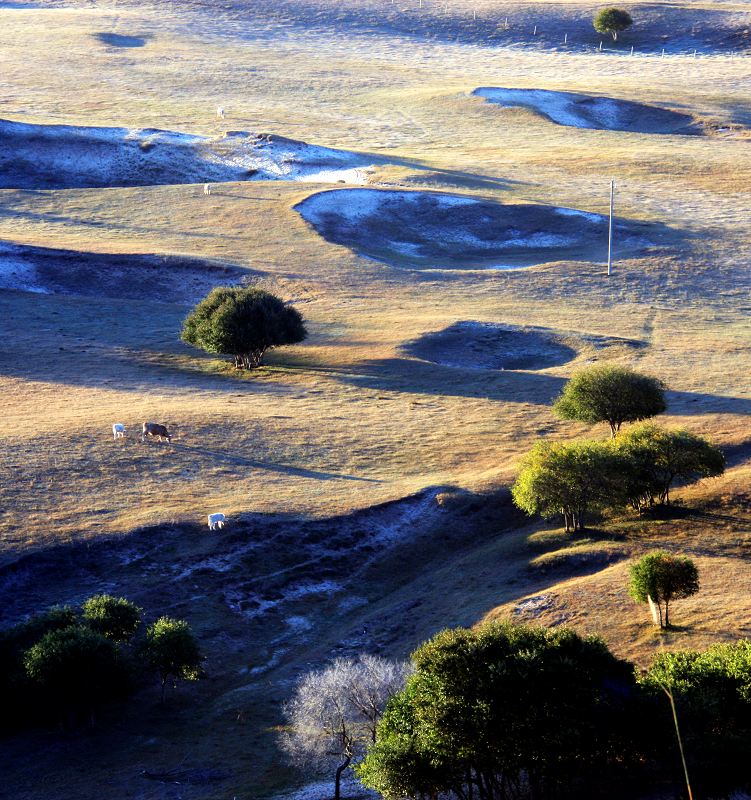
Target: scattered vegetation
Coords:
[[658, 578], [243, 323], [611, 394], [612, 21]]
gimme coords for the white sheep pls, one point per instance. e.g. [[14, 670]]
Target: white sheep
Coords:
[[216, 521], [220, 112], [118, 431]]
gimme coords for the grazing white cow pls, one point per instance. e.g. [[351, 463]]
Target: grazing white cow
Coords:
[[220, 112], [216, 521], [207, 188], [154, 429], [118, 431]]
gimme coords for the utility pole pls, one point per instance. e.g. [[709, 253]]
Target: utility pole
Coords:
[[610, 228]]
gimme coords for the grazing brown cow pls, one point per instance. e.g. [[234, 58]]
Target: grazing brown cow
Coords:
[[154, 429]]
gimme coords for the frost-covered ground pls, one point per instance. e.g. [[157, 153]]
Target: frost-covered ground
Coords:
[[439, 230], [70, 156], [137, 276], [585, 111]]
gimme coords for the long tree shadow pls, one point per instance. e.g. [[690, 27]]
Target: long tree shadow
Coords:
[[285, 469], [419, 377]]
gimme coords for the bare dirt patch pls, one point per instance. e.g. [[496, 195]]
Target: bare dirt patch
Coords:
[[169, 278], [588, 111], [439, 230], [69, 156], [492, 346]]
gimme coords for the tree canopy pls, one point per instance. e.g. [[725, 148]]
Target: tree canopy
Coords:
[[662, 577], [658, 457], [493, 709], [242, 322], [76, 668], [712, 694], [172, 650], [612, 21], [611, 394], [114, 617], [568, 478]]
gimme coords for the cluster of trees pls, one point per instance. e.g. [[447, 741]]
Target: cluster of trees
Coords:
[[244, 323], [636, 468], [66, 663], [512, 711]]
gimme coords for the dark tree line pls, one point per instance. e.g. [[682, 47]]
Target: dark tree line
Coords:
[[66, 664]]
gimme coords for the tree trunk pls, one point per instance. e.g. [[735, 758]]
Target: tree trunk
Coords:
[[667, 611], [164, 687], [655, 610], [615, 36], [338, 783]]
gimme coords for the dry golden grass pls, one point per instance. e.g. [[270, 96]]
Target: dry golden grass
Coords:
[[342, 405]]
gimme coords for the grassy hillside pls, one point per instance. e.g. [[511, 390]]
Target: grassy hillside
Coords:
[[328, 461]]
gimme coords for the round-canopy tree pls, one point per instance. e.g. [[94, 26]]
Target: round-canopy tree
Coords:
[[503, 706], [658, 457], [612, 21], [113, 617], [659, 578], [243, 323], [76, 668], [610, 394], [172, 650]]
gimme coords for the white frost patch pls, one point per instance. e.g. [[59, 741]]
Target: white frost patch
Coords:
[[533, 606], [572, 212], [299, 624], [565, 108], [16, 272], [324, 790], [351, 603], [70, 155]]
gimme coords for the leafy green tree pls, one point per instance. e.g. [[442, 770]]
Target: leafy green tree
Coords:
[[496, 709], [76, 669], [114, 617], [568, 478], [659, 457], [610, 394], [660, 577], [612, 21], [243, 323], [172, 650], [712, 695]]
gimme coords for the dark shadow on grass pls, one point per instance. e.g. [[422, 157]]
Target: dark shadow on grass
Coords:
[[118, 40], [285, 469]]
